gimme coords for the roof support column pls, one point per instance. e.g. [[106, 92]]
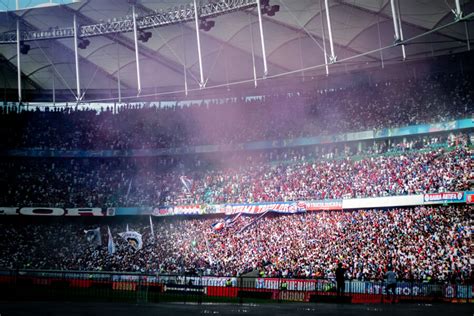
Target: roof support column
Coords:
[[332, 58], [401, 30], [185, 71], [458, 16], [324, 40], [397, 26], [137, 60], [395, 21], [467, 36], [202, 84], [262, 39], [253, 53], [380, 42], [18, 58], [76, 58], [54, 88], [185, 80], [457, 12], [119, 85]]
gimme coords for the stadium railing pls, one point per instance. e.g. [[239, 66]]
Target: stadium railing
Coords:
[[143, 288]]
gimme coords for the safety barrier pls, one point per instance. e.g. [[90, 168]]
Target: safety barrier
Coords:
[[133, 287]]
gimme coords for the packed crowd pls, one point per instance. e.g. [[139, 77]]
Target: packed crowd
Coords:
[[437, 98], [420, 243], [259, 177]]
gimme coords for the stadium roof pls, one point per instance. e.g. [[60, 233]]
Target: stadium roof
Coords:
[[293, 40]]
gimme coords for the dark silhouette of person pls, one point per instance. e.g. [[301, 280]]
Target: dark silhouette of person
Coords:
[[340, 285], [391, 282]]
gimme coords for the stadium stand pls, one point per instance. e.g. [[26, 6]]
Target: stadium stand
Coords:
[[142, 182], [322, 171], [437, 98], [422, 243]]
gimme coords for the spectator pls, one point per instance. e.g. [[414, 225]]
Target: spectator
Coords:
[[143, 182], [420, 243], [340, 279], [434, 99]]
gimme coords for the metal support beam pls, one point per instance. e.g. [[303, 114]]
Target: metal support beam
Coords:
[[468, 40], [54, 87], [262, 39], [380, 12], [395, 21], [76, 58], [457, 12], [18, 58], [185, 79], [401, 30], [301, 56], [185, 71], [324, 40], [253, 52], [198, 38], [332, 58], [12, 67], [137, 59], [119, 86], [380, 42], [125, 24], [124, 42], [311, 34], [226, 72]]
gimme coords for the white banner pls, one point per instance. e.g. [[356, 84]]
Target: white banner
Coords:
[[133, 238]]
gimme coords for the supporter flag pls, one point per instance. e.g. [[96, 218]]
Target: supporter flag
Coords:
[[229, 221], [152, 230], [129, 187], [133, 238], [110, 245], [126, 229], [93, 236], [218, 226], [187, 183]]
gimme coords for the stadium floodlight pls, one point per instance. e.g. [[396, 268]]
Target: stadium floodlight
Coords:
[[206, 25], [24, 48], [271, 10], [144, 36], [268, 9], [173, 15], [83, 43]]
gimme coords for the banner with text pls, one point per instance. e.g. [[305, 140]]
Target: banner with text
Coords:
[[197, 209], [322, 205], [57, 211], [259, 208], [444, 197]]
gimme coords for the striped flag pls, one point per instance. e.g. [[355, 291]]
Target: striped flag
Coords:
[[218, 226]]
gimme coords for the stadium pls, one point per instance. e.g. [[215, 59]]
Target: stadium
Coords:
[[244, 156]]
